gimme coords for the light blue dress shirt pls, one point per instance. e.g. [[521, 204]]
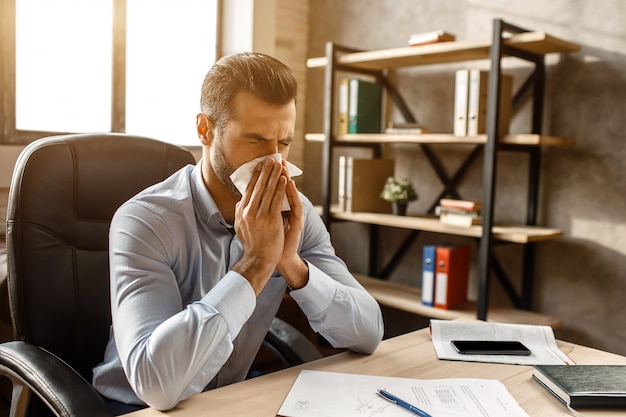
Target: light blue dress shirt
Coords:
[[184, 322]]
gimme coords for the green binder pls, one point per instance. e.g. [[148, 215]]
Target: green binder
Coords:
[[364, 106]]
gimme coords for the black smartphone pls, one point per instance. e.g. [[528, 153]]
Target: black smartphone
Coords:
[[490, 347]]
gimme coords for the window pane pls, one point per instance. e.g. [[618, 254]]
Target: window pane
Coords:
[[170, 47], [63, 65]]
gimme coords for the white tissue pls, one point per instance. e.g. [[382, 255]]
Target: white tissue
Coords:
[[242, 175]]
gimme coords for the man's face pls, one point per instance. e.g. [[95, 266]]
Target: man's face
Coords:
[[257, 129]]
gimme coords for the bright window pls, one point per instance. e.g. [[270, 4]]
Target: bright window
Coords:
[[64, 65], [170, 47]]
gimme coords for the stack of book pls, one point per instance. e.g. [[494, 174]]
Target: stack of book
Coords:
[[463, 213]]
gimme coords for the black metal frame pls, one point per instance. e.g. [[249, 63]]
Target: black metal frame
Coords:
[[536, 81], [487, 262]]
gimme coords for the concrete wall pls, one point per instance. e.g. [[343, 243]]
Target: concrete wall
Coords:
[[580, 277], [292, 31]]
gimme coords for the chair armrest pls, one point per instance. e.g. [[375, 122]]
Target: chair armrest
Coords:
[[289, 344], [61, 388]]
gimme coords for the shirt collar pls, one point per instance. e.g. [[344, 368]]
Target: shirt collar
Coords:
[[203, 202]]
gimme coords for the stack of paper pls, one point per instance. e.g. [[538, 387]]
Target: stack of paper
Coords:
[[330, 394], [539, 339]]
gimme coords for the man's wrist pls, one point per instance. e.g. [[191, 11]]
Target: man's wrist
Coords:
[[297, 276], [257, 273]]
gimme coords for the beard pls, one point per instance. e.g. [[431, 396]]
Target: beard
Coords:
[[223, 169]]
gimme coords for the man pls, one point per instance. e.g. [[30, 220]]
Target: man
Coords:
[[198, 270]]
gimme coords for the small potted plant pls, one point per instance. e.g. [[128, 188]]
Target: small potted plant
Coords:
[[398, 191]]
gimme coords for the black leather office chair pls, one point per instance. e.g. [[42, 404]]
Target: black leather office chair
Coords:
[[63, 194]]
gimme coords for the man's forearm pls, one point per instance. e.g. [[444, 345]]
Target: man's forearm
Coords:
[[296, 272]]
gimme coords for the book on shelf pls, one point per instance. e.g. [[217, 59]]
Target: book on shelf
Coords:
[[364, 106], [585, 386], [477, 102], [360, 183], [464, 213], [460, 204], [452, 265], [341, 183], [428, 274], [405, 128], [435, 36], [461, 219], [461, 91], [343, 99]]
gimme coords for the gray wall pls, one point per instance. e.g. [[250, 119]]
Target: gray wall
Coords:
[[581, 277]]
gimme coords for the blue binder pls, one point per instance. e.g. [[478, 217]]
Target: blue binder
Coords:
[[428, 275]]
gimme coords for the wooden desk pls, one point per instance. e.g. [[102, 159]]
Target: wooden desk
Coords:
[[410, 356]]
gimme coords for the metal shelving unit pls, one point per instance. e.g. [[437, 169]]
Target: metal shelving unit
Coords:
[[508, 41]]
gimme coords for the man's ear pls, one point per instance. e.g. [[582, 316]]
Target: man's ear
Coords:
[[205, 129]]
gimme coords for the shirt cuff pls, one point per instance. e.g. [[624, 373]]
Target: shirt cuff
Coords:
[[317, 294], [234, 299]]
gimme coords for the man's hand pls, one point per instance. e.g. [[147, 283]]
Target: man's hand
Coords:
[[291, 266], [259, 224]]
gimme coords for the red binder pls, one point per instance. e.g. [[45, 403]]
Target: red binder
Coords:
[[451, 276]]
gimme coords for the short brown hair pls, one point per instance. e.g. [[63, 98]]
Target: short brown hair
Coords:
[[260, 74]]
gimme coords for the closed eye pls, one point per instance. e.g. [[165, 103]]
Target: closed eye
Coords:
[[254, 138]]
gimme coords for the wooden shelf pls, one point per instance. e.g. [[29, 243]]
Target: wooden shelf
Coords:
[[446, 52], [509, 41], [406, 298], [525, 139], [507, 233]]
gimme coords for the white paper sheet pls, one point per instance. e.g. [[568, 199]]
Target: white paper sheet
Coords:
[[242, 175], [330, 394], [539, 339]]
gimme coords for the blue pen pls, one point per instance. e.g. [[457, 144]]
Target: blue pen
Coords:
[[402, 403]]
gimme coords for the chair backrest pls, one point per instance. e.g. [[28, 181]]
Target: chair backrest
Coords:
[[64, 191]]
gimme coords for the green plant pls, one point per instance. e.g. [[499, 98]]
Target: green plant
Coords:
[[398, 189]]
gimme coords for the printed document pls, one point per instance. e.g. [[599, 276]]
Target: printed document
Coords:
[[330, 394], [539, 339]]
